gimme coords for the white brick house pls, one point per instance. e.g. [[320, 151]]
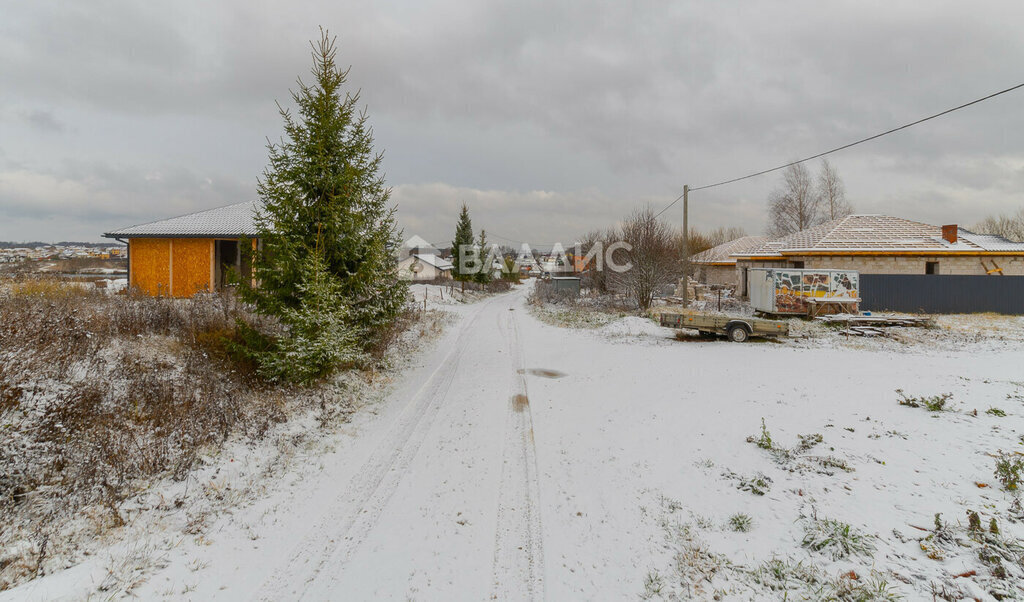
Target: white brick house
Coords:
[[882, 244]]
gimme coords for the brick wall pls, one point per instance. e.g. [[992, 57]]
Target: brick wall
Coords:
[[866, 264], [717, 274], [960, 265]]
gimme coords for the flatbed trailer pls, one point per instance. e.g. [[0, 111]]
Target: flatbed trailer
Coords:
[[736, 328]]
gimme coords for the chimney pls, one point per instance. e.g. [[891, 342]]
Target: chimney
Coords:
[[949, 233]]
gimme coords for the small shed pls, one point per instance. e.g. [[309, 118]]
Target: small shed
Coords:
[[566, 284], [183, 255]]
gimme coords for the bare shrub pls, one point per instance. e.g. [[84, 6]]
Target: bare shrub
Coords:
[[544, 292], [99, 392], [654, 256], [498, 286]]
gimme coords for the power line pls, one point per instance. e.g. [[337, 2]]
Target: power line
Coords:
[[536, 244], [845, 146]]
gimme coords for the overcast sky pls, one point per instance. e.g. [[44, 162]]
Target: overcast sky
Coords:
[[547, 118]]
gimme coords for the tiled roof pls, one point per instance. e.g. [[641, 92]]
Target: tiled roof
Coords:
[[721, 253], [879, 233], [991, 242], [230, 222]]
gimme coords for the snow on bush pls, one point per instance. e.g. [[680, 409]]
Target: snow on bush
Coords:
[[100, 394]]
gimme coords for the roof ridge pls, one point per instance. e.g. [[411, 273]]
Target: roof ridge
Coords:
[[878, 232], [225, 221], [156, 221]]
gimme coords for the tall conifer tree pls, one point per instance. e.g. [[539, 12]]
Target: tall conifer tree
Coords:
[[323, 195], [463, 242], [484, 275]]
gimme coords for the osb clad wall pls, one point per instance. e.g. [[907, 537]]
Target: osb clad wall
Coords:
[[192, 264], [158, 264], [150, 264]]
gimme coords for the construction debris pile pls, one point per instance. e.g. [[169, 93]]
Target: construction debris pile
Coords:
[[870, 325]]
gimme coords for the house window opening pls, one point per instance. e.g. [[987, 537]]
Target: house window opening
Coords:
[[228, 262]]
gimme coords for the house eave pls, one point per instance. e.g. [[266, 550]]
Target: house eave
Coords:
[[759, 257], [226, 235], [902, 253]]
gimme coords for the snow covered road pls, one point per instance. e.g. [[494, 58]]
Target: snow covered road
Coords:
[[437, 499], [522, 461], [422, 493]]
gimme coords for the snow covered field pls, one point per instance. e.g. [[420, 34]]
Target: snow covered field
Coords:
[[520, 460]]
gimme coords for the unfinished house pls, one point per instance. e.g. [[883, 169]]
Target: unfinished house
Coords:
[[717, 265], [181, 256], [882, 244]]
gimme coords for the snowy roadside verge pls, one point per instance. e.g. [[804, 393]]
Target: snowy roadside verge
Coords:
[[653, 489], [984, 332], [93, 552]]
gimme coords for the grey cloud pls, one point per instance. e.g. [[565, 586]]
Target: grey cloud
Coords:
[[598, 106], [44, 121], [98, 197]]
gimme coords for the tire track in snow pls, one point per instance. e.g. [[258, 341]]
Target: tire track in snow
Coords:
[[351, 516], [519, 545]]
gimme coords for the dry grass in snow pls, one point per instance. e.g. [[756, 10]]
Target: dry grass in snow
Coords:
[[105, 397]]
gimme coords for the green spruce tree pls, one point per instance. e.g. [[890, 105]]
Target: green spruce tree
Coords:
[[484, 275], [325, 226], [321, 338], [462, 246]]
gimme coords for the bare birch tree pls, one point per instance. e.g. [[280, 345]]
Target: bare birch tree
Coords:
[[832, 192], [796, 205]]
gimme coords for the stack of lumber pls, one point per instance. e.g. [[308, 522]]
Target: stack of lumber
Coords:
[[869, 326], [862, 331]]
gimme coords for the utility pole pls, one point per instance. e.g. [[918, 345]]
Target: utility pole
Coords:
[[686, 245]]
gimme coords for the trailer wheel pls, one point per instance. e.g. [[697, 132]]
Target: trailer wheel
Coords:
[[738, 333]]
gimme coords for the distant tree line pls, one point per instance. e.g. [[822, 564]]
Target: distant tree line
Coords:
[[1010, 226]]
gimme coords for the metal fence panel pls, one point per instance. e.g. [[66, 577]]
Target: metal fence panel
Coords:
[[942, 294]]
